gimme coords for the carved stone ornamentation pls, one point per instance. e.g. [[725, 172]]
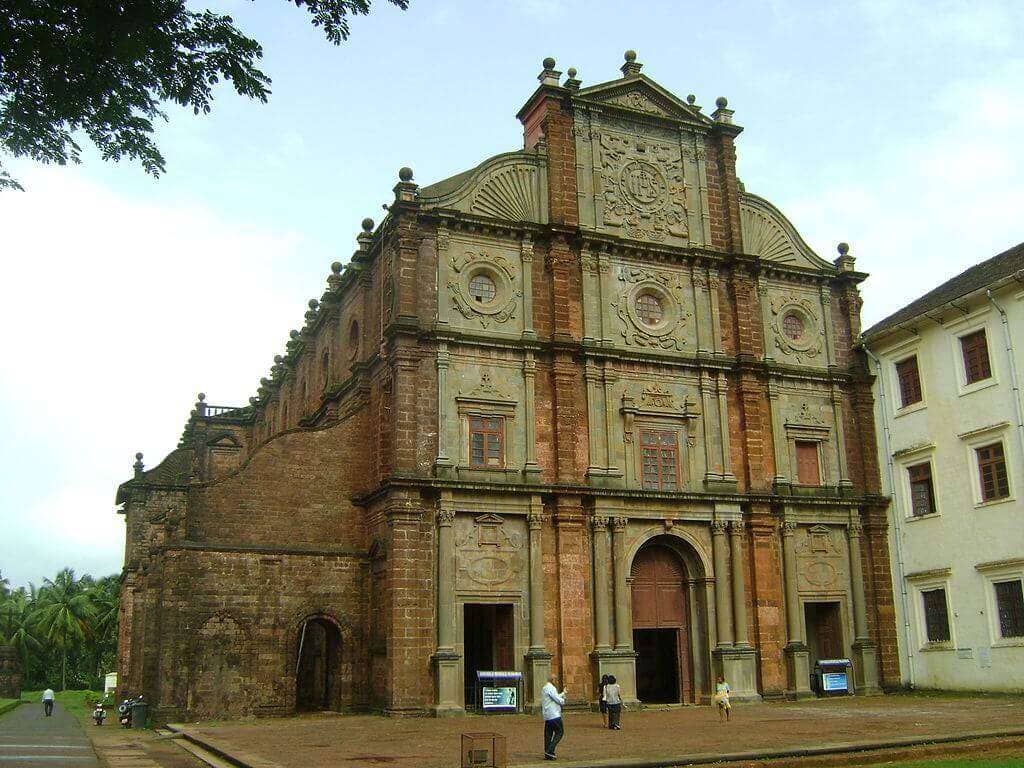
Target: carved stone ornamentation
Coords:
[[643, 187], [666, 291], [485, 390], [807, 415], [795, 327], [490, 553], [638, 101], [502, 306]]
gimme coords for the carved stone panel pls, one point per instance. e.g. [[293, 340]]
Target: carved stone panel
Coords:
[[652, 308], [821, 559], [796, 331], [491, 553], [484, 286]]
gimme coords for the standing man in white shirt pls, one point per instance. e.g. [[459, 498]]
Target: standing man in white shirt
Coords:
[[551, 703], [48, 701]]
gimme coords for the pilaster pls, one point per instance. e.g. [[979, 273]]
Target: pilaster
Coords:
[[797, 655], [446, 659], [865, 663]]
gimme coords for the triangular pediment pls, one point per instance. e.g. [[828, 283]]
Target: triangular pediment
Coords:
[[641, 94]]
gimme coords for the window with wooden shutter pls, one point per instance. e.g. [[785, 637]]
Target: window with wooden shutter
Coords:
[[992, 468], [487, 441], [1010, 606], [910, 381], [659, 457], [922, 493], [808, 471], [936, 618], [976, 363]]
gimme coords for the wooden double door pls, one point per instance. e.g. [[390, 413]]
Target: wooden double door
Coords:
[[661, 626]]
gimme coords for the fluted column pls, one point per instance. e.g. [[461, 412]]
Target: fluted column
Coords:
[[793, 632], [723, 614], [860, 616], [739, 591], [602, 571], [534, 520], [623, 627], [445, 576]]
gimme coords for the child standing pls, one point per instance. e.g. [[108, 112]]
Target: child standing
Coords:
[[722, 691], [613, 695]]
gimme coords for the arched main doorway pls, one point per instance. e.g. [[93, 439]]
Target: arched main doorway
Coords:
[[318, 672], [662, 627]]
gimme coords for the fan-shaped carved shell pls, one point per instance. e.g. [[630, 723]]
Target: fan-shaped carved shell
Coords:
[[509, 194], [763, 237]]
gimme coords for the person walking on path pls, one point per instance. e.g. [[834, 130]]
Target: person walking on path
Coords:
[[722, 691], [603, 702], [48, 701], [551, 703], [613, 695]]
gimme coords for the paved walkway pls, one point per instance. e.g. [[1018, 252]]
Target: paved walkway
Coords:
[[29, 738]]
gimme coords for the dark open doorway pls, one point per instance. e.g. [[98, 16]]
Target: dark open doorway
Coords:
[[487, 643], [657, 665], [317, 678], [824, 630]]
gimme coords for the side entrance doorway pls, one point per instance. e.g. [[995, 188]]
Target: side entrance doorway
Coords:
[[488, 640], [661, 626], [824, 631], [318, 672]]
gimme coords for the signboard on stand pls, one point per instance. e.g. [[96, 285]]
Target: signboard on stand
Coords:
[[500, 698]]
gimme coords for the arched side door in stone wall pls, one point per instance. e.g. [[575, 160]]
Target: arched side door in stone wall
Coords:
[[661, 627]]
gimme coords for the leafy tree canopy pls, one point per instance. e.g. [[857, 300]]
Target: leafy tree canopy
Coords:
[[102, 68]]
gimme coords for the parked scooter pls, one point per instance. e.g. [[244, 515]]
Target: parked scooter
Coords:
[[99, 713]]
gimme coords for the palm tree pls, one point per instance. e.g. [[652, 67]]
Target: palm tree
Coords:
[[64, 614], [105, 596], [16, 622], [4, 587]]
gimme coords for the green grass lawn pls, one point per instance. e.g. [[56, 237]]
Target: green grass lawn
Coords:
[[78, 703]]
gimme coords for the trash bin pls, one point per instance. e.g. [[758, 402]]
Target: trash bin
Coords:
[[484, 750], [140, 713], [833, 677]]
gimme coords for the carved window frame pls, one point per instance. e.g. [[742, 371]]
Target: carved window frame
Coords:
[[682, 422], [810, 433], [487, 408]]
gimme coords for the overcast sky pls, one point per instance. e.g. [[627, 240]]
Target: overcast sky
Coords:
[[892, 125]]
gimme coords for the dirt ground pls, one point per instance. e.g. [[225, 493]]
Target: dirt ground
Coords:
[[346, 741]]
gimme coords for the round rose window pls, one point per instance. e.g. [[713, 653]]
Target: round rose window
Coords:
[[482, 289], [649, 309], [793, 326]]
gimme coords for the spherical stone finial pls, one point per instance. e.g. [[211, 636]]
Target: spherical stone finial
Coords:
[[721, 102], [843, 248], [138, 456], [264, 381], [549, 63], [336, 268], [572, 72], [202, 396], [630, 55], [313, 304], [368, 222], [405, 173], [691, 99], [293, 334], [278, 359]]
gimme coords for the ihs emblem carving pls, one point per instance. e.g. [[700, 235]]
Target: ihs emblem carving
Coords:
[[643, 186]]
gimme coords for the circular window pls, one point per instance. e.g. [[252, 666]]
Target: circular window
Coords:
[[649, 309], [793, 326], [482, 289]]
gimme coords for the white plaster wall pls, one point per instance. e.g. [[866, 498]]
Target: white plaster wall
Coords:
[[964, 532]]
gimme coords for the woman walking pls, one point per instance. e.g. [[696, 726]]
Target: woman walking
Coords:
[[613, 695], [602, 701]]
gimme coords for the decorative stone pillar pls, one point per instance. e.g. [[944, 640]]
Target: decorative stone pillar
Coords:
[[526, 256], [723, 612], [836, 397], [620, 660], [538, 660], [602, 572], [531, 469], [443, 465], [797, 655], [595, 412], [739, 592], [865, 666], [446, 659]]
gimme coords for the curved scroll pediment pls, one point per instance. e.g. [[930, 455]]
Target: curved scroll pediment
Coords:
[[768, 234], [508, 186]]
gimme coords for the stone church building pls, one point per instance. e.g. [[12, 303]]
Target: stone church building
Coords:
[[589, 407]]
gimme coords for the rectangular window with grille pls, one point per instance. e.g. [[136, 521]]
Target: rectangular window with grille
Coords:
[[936, 618], [922, 493], [808, 471], [1010, 606], [992, 469], [659, 457], [487, 441], [910, 381], [976, 363]]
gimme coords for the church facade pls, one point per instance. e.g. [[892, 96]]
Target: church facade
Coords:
[[588, 408]]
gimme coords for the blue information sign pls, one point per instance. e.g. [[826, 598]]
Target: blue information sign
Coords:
[[834, 681], [499, 698]]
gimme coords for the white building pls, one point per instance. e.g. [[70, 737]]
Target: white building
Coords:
[[951, 442]]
